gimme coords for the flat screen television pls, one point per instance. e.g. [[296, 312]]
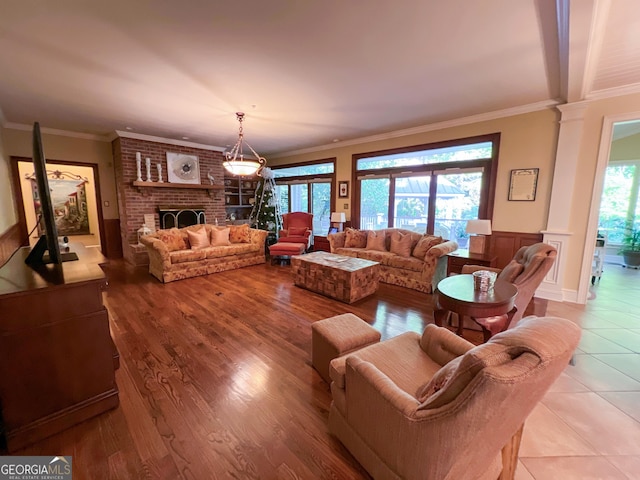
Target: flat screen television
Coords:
[[47, 249]]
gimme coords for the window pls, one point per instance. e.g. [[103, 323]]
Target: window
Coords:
[[428, 188], [307, 188]]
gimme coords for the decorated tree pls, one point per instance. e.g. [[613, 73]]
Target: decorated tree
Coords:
[[265, 214]]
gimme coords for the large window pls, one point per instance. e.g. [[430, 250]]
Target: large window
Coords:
[[307, 188], [429, 188]]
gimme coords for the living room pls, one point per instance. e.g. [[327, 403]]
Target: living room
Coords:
[[564, 134]]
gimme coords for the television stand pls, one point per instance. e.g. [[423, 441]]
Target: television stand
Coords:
[[57, 358]]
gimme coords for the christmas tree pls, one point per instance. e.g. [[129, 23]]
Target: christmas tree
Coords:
[[265, 214]]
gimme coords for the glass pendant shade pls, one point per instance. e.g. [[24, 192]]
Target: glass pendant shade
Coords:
[[236, 164]]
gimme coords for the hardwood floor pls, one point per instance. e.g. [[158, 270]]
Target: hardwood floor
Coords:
[[215, 379]]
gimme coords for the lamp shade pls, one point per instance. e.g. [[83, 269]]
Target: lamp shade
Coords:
[[338, 217], [479, 227]]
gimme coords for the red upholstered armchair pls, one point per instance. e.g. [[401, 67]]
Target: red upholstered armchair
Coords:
[[296, 228]]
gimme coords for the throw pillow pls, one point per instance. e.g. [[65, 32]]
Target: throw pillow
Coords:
[[424, 244], [401, 244], [376, 241], [355, 238], [220, 237], [198, 238], [173, 239], [239, 234], [297, 231]]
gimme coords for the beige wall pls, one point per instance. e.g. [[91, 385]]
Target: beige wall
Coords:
[[8, 215], [57, 147], [527, 141]]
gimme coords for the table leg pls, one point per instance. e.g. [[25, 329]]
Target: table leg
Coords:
[[440, 316]]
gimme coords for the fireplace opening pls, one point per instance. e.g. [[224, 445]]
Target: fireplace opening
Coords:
[[181, 216]]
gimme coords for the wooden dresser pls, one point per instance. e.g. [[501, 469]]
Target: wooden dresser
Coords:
[[57, 358]]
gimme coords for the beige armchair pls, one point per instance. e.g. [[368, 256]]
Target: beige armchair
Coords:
[[433, 406], [526, 271]]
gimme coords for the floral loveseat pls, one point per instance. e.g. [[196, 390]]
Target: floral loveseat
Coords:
[[406, 258], [179, 253]]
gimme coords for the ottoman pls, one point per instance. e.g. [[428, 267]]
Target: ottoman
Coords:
[[337, 336], [285, 249]]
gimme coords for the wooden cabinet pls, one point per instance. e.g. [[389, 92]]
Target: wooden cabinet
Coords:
[[57, 359], [458, 259], [239, 194], [321, 244]]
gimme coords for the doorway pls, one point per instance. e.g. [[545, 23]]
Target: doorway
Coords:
[[75, 191], [615, 208]]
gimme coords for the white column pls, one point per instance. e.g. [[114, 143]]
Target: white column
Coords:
[[557, 232]]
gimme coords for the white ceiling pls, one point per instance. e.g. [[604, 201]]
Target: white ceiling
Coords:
[[316, 71]]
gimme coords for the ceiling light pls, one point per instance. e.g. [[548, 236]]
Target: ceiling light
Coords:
[[236, 163]]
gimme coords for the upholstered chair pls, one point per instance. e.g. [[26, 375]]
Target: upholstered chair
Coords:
[[297, 227], [526, 271], [433, 406]]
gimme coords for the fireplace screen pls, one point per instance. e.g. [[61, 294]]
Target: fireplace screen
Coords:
[[181, 216]]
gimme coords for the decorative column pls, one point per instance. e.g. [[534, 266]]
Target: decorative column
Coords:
[[557, 232]]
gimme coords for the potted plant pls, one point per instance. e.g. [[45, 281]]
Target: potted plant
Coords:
[[631, 248]]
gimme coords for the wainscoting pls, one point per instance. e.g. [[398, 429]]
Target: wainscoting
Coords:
[[9, 242], [504, 245], [112, 247]]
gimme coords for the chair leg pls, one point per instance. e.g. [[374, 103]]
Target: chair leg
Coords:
[[510, 456]]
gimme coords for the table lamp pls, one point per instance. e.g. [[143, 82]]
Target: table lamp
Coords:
[[478, 229], [338, 219]]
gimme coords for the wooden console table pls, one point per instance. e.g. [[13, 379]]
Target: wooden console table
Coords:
[[57, 359]]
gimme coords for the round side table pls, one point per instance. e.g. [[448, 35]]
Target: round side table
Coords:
[[492, 310]]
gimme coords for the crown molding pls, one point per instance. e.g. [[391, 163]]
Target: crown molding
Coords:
[[482, 117], [613, 92], [181, 143], [54, 131]]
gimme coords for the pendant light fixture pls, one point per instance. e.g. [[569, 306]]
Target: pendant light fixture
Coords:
[[236, 163]]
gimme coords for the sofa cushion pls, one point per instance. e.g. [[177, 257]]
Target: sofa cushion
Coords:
[[376, 256], [220, 237], [183, 256], [174, 239], [401, 243], [239, 234], [405, 263], [424, 244], [511, 271], [349, 252], [230, 250], [355, 238], [198, 238], [376, 240]]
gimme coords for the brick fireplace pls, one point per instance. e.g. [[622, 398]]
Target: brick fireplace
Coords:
[[136, 201]]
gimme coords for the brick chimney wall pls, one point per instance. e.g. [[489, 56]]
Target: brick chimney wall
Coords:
[[135, 202]]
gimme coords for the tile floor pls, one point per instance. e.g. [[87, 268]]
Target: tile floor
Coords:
[[588, 424]]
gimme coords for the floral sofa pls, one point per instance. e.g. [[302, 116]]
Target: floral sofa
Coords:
[[179, 253], [406, 258]]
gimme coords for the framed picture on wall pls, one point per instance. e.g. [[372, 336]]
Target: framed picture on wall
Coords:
[[182, 168], [523, 184], [343, 189]]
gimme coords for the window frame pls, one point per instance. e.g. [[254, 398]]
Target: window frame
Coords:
[[309, 181], [489, 178]]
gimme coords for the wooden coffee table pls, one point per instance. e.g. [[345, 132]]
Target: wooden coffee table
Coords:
[[346, 279], [492, 310]]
